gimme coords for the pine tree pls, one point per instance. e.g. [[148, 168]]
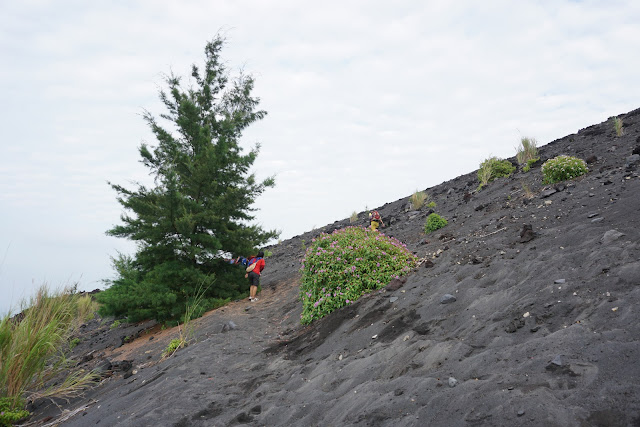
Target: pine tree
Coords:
[[200, 207]]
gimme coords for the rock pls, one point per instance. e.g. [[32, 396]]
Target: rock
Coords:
[[447, 299], [521, 412], [229, 326], [535, 329], [600, 219], [548, 192], [611, 236], [393, 299], [514, 325], [428, 264], [591, 159], [592, 215], [396, 284], [453, 382], [559, 281], [632, 161], [558, 360], [527, 234]]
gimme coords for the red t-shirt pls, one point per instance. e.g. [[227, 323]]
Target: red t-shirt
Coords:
[[259, 266]]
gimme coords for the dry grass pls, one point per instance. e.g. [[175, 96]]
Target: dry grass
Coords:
[[617, 126], [527, 152], [354, 217], [418, 199], [31, 346]]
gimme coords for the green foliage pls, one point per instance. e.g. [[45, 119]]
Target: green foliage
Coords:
[[74, 343], [200, 207], [9, 412], [434, 222], [173, 346], [617, 126], [493, 168], [32, 344], [431, 205], [340, 267], [115, 324], [562, 168], [527, 154], [418, 199]]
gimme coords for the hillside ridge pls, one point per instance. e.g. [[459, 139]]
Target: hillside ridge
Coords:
[[542, 330]]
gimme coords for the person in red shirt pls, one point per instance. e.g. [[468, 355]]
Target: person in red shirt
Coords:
[[254, 276]]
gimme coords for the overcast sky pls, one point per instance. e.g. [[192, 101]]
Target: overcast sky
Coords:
[[367, 101]]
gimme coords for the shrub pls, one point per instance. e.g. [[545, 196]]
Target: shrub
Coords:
[[493, 168], [617, 126], [340, 267], [354, 217], [527, 153], [434, 222], [418, 199], [431, 205], [562, 168]]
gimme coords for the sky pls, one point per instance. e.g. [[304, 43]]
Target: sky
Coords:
[[367, 101]]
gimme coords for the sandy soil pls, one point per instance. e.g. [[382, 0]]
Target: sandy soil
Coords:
[[544, 329]]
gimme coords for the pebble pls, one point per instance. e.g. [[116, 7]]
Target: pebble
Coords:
[[592, 215], [558, 360], [597, 219], [447, 298], [453, 382], [559, 281], [521, 412], [393, 299]]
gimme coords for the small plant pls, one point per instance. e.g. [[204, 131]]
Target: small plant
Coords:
[[340, 267], [354, 217], [9, 414], [562, 168], [527, 153], [194, 309], [74, 343], [434, 222], [418, 199], [115, 324], [527, 191], [493, 168], [431, 205], [267, 253], [173, 346], [617, 126]]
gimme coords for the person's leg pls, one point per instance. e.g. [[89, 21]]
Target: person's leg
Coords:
[[252, 291]]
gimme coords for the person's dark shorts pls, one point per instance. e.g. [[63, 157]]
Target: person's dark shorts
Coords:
[[254, 279]]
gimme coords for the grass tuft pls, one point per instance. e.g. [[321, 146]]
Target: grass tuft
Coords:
[[527, 153], [617, 126], [32, 344], [418, 199]]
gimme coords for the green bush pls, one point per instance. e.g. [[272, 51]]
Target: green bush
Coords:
[[340, 267], [434, 222], [493, 168], [562, 168], [9, 414]]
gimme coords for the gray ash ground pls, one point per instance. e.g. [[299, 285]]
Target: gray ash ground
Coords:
[[542, 328]]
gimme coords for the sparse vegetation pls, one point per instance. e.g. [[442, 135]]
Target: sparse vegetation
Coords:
[[194, 309], [434, 222], [493, 168], [527, 154], [115, 324], [74, 343], [418, 199], [562, 168], [528, 193], [32, 348], [340, 267], [431, 205], [354, 217], [9, 414], [617, 126]]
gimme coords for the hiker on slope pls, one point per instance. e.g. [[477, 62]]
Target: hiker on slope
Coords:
[[376, 220], [253, 274]]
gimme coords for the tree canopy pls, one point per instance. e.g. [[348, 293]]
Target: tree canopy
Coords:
[[199, 209]]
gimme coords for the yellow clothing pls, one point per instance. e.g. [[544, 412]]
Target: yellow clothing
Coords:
[[374, 224]]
